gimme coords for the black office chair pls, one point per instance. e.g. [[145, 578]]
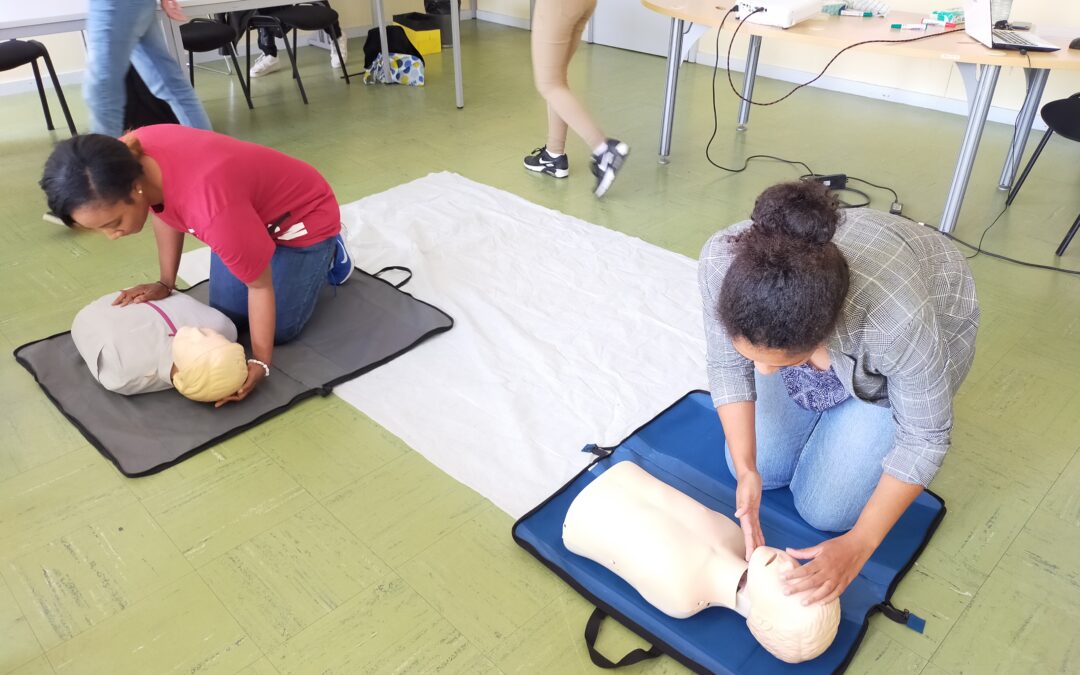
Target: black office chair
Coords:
[[1061, 117], [205, 35], [15, 53], [312, 16]]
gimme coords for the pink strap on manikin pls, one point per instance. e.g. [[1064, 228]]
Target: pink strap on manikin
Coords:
[[165, 316]]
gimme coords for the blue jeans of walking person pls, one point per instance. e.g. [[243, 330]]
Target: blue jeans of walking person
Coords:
[[831, 460], [298, 275], [120, 33]]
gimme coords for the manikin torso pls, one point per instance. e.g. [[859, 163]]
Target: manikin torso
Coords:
[[683, 557]]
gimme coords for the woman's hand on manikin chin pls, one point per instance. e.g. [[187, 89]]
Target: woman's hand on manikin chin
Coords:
[[254, 376]]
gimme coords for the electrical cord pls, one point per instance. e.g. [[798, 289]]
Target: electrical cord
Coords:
[[978, 249], [990, 254], [716, 122], [827, 65]]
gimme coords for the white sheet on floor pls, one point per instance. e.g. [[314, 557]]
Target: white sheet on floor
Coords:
[[566, 334]]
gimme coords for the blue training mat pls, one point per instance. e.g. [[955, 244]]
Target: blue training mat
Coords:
[[683, 446]]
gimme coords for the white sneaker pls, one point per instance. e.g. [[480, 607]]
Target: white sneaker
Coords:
[[343, 43], [266, 64]]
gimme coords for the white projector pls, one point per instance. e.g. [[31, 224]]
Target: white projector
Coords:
[[779, 13]]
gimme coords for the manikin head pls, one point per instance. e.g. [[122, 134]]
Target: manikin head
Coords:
[[207, 367], [791, 631]]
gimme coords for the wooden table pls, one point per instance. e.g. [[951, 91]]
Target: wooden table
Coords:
[[978, 65], [30, 18]]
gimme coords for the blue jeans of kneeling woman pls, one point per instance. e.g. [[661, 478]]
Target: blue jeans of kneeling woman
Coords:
[[831, 460], [298, 276]]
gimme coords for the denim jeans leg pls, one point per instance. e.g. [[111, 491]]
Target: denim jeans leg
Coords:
[[781, 429], [299, 274], [166, 79], [228, 294], [113, 28], [841, 464]]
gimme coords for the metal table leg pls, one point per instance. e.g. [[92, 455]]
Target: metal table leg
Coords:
[[1036, 82], [673, 59], [979, 107], [752, 53], [455, 39]]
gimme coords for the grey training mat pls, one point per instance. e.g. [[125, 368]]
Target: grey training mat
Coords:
[[355, 328]]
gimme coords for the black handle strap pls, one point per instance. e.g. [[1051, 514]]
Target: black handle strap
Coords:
[[592, 630], [378, 275]]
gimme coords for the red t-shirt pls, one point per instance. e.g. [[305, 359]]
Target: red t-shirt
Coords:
[[241, 199]]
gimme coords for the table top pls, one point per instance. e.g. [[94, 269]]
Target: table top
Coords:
[[841, 31]]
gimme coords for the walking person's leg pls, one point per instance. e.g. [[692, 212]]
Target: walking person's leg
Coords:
[[112, 30], [555, 34], [165, 79]]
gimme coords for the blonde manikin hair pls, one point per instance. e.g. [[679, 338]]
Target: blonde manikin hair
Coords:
[[208, 366]]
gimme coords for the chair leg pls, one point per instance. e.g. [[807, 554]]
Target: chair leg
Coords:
[[41, 93], [1027, 169], [1068, 238], [239, 75], [337, 48], [191, 67], [295, 70], [60, 94]]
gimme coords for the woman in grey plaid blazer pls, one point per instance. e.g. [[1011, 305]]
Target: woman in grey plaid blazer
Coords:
[[836, 342]]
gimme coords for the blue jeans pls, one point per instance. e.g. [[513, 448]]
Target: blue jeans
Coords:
[[298, 276], [123, 32], [830, 460]]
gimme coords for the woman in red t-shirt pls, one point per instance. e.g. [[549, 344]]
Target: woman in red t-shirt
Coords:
[[271, 221]]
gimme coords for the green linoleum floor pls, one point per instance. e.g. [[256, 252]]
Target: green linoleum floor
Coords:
[[319, 543]]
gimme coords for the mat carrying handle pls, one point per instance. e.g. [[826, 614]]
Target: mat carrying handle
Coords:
[[378, 275], [592, 630]]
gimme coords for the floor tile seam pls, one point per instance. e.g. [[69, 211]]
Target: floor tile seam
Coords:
[[1004, 552], [225, 606], [41, 647], [445, 618], [348, 485], [248, 539], [556, 598], [114, 617], [38, 466], [66, 533], [452, 530]]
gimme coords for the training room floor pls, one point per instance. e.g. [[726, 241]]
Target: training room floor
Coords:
[[318, 542]]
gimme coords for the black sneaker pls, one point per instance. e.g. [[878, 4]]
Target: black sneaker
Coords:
[[607, 163], [541, 162]]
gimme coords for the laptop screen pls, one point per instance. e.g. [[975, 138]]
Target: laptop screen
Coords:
[[979, 21]]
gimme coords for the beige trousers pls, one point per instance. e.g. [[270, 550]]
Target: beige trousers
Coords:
[[556, 32]]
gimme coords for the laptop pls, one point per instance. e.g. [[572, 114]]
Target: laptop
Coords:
[[979, 24]]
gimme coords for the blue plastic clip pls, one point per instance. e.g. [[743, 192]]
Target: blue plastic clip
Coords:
[[903, 616]]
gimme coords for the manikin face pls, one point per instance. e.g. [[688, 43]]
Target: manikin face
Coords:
[[790, 631], [115, 220]]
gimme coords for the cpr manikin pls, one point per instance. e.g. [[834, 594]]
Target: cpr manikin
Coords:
[[151, 346], [683, 557]]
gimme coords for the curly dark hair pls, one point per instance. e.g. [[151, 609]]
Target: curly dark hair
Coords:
[[788, 281], [86, 169]]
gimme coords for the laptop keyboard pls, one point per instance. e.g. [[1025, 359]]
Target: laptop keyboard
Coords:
[[1009, 37]]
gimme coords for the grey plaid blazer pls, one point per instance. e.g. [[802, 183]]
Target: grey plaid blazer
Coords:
[[905, 338]]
